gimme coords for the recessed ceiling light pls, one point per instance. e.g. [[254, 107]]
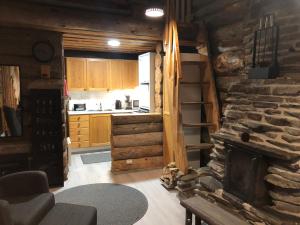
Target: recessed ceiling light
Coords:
[[114, 43], [154, 12]]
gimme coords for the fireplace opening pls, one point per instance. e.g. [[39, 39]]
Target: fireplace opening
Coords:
[[245, 170]]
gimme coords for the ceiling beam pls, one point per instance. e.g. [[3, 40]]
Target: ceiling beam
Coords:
[[65, 20], [101, 7], [213, 7]]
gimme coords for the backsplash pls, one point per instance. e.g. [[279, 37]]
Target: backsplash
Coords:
[[92, 99]]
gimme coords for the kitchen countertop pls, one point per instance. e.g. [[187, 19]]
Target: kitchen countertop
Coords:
[[92, 112]]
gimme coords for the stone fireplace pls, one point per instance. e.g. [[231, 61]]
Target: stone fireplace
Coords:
[[261, 176]]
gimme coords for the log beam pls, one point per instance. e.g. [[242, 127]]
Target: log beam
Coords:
[[154, 138], [137, 164], [16, 13], [136, 152]]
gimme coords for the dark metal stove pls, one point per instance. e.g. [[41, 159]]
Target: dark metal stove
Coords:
[[245, 170]]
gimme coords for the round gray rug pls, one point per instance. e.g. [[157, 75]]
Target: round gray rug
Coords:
[[116, 204]]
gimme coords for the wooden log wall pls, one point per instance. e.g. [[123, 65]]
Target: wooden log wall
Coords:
[[158, 99], [136, 141], [16, 49]]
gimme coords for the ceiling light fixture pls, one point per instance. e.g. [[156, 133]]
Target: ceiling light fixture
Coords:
[[154, 12], [114, 43]]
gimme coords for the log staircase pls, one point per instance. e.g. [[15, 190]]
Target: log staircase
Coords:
[[198, 103]]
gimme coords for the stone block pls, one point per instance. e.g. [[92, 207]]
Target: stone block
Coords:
[[291, 139], [254, 116], [234, 114], [284, 145], [265, 105], [261, 127], [290, 106], [292, 114], [278, 121], [292, 131], [287, 90], [272, 111], [266, 98]]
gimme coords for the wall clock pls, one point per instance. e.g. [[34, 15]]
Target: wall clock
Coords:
[[43, 51]]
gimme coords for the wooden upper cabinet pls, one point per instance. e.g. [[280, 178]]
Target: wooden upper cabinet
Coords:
[[76, 73], [130, 77], [98, 71], [101, 74], [116, 70]]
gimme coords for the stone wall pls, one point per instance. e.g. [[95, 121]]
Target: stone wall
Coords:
[[232, 43], [269, 110]]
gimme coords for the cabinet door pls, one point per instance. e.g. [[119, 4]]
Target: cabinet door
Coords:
[[76, 73], [130, 77], [116, 70], [99, 130], [97, 74]]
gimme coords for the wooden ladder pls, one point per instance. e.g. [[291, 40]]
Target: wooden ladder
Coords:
[[199, 107]]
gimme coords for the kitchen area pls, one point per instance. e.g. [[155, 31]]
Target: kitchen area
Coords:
[[99, 88]]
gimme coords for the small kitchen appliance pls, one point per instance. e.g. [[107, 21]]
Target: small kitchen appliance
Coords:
[[135, 104], [118, 104], [128, 102], [80, 107]]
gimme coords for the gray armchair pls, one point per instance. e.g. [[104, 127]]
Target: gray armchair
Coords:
[[24, 198]]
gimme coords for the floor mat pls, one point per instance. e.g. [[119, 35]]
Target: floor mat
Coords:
[[96, 157], [116, 204]]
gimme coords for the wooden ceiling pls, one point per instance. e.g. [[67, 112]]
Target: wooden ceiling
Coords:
[[89, 24], [218, 13]]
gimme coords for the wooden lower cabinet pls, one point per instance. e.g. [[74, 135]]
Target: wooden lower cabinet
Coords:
[[89, 130], [99, 130], [79, 131]]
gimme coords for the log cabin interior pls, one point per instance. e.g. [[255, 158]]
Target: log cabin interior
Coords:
[[171, 112]]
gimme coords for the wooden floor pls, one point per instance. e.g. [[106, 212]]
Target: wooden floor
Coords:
[[164, 207]]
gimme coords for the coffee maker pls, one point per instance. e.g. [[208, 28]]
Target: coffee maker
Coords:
[[128, 102]]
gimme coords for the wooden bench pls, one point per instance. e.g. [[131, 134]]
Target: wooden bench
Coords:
[[208, 212]]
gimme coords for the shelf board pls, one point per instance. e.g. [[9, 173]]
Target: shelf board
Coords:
[[193, 83], [196, 103], [197, 125], [198, 147]]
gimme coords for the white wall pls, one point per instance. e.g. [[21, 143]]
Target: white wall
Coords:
[[107, 98]]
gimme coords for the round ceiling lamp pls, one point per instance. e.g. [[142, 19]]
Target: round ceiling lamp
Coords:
[[113, 43], [154, 12]]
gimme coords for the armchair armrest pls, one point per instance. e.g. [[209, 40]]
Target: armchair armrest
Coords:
[[5, 218], [24, 183]]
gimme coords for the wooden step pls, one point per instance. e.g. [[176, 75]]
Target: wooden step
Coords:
[[201, 146], [197, 63], [196, 103], [197, 125], [194, 83]]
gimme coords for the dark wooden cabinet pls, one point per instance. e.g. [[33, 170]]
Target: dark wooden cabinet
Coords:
[[47, 133], [14, 163]]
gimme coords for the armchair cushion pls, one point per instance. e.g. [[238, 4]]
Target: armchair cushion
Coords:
[[30, 210], [5, 217], [24, 183]]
